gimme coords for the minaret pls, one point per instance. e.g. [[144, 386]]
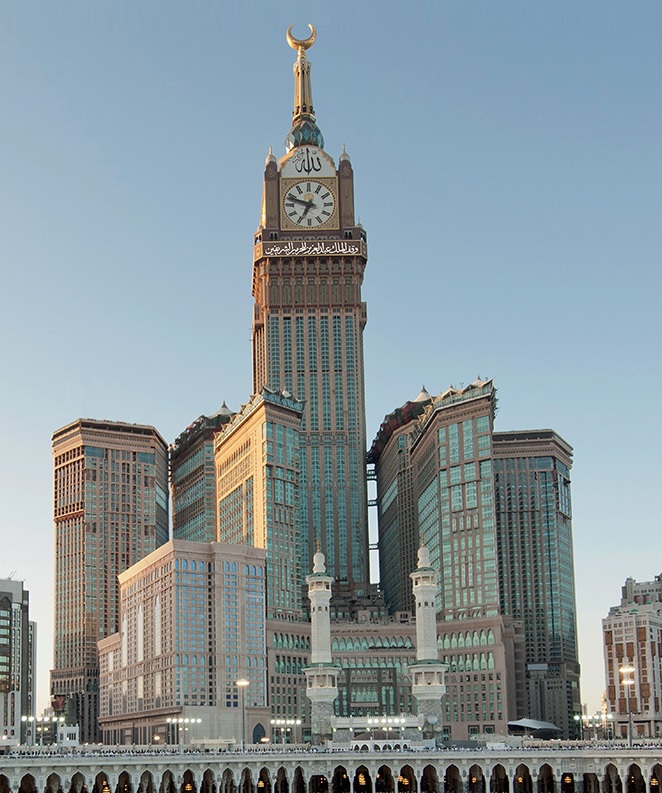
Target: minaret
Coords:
[[308, 320], [427, 672], [322, 674]]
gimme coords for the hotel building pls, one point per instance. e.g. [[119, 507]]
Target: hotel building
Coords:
[[192, 626], [632, 635], [110, 506]]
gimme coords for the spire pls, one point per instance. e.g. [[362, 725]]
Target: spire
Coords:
[[304, 129]]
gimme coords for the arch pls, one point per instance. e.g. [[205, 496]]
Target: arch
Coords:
[[499, 779], [188, 782], [124, 783], [298, 784], [4, 784], [340, 780], [246, 784], [101, 783], [259, 733], [264, 781], [407, 780], [27, 784], [167, 783], [476, 780], [384, 782], [522, 782], [227, 782], [452, 779], [77, 783], [635, 780], [146, 783], [208, 782], [53, 784], [656, 778], [546, 779], [281, 784], [612, 782]]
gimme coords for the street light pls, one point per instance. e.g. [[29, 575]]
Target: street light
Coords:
[[627, 680], [242, 685], [580, 726]]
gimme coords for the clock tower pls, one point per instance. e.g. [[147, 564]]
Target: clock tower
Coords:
[[308, 321]]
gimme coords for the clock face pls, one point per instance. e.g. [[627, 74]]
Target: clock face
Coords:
[[309, 204]]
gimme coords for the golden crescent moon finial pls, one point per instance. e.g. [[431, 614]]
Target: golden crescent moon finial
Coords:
[[301, 44]]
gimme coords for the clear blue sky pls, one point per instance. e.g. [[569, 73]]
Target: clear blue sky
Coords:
[[508, 172]]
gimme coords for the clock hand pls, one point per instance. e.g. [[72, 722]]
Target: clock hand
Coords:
[[309, 204]]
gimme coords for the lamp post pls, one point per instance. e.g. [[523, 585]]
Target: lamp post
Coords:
[[580, 724], [627, 680], [242, 685]]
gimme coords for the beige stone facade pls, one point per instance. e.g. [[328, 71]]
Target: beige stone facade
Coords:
[[632, 636], [110, 507], [192, 623]]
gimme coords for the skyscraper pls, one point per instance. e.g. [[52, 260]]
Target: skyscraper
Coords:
[[433, 457], [110, 510], [257, 464], [494, 509], [308, 321], [193, 478], [536, 566], [17, 665]]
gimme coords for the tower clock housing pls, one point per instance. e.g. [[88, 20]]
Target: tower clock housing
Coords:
[[308, 321]]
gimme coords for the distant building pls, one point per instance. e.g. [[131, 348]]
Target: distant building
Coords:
[[536, 566], [632, 635], [17, 664], [193, 478], [192, 624], [110, 510]]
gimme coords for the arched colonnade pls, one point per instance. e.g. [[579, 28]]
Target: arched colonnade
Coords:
[[327, 773]]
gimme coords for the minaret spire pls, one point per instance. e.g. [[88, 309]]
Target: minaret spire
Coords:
[[304, 129]]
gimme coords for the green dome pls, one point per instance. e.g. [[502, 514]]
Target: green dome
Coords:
[[304, 132]]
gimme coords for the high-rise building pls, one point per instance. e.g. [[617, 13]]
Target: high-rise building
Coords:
[[193, 478], [433, 462], [17, 665], [397, 523], [192, 619], [494, 509], [536, 566], [632, 635], [110, 510], [256, 460], [309, 258]]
